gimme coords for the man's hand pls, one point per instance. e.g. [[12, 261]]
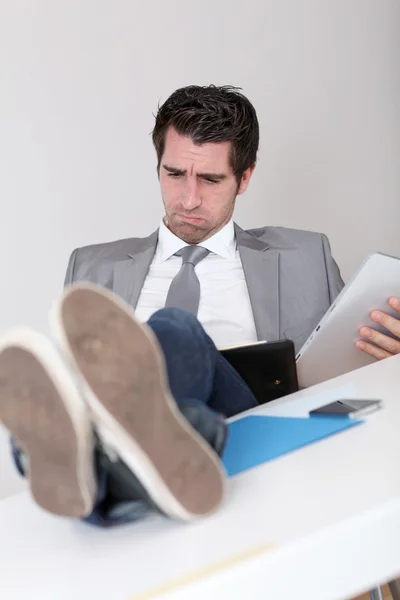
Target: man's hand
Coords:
[[386, 346]]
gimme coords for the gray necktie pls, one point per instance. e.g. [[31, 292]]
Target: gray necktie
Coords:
[[184, 291]]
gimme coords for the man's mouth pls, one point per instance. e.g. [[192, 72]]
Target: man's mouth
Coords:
[[191, 219]]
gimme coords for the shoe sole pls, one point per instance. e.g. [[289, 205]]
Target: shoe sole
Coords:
[[43, 411], [125, 384]]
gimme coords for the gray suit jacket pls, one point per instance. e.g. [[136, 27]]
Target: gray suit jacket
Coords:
[[291, 276]]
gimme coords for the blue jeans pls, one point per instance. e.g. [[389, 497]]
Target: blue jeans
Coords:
[[206, 388]]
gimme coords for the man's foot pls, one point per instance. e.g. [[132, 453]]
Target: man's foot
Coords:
[[43, 410], [126, 387]]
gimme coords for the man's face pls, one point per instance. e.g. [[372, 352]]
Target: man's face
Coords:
[[198, 186]]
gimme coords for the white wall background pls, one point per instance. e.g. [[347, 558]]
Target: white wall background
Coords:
[[80, 79]]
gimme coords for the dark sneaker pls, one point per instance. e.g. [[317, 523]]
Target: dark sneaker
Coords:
[[43, 410], [126, 387]]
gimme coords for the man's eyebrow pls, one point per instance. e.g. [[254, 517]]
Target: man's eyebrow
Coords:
[[174, 170], [215, 176]]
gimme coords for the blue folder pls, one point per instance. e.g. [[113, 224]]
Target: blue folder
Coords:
[[255, 440]]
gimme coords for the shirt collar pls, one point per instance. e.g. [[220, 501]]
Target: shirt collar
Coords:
[[222, 243]]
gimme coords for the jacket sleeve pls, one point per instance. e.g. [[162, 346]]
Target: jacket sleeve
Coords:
[[69, 276], [334, 279]]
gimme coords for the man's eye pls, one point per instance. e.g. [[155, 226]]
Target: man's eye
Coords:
[[174, 175], [207, 180]]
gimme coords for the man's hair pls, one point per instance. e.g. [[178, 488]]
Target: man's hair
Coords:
[[211, 114]]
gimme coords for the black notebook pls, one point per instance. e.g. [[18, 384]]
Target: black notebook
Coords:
[[268, 368]]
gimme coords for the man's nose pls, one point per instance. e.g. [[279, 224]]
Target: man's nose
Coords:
[[191, 194]]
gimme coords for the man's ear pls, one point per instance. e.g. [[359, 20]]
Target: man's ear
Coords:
[[245, 180]]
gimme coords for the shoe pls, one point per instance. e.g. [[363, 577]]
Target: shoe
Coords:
[[125, 384], [43, 410]]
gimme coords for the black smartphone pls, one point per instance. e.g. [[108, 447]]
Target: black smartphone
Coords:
[[350, 408]]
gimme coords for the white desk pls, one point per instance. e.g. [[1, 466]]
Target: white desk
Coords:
[[320, 523]]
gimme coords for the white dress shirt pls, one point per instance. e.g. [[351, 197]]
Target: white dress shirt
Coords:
[[224, 310]]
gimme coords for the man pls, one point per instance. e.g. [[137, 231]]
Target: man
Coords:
[[127, 417]]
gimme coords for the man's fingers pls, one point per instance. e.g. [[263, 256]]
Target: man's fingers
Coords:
[[384, 341], [390, 323], [374, 351]]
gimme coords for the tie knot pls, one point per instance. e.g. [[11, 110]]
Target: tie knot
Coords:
[[192, 254]]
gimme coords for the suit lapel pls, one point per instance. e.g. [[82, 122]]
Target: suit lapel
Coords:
[[130, 274], [261, 269]]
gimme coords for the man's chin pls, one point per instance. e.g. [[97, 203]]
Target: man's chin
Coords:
[[191, 233]]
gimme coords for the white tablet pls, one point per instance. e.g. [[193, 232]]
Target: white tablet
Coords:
[[330, 350]]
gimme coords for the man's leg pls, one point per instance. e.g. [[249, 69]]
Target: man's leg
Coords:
[[196, 369], [203, 384]]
